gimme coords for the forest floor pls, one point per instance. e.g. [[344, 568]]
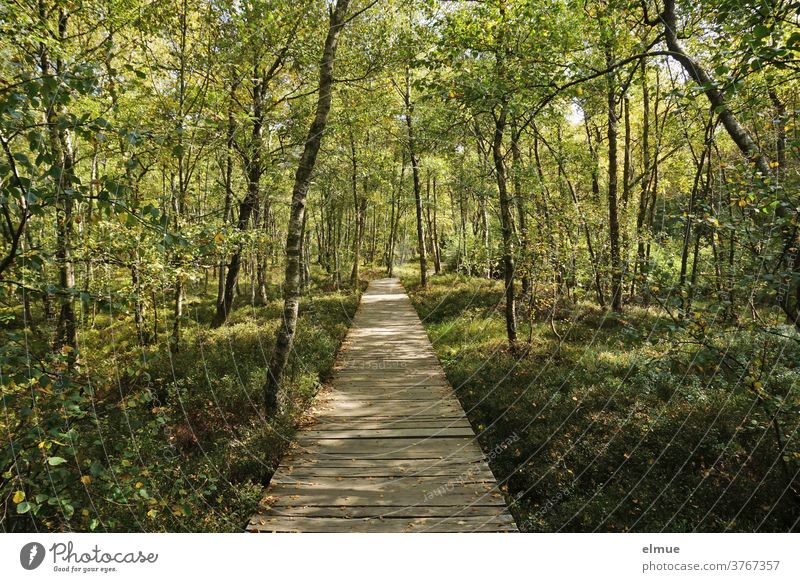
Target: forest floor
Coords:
[[177, 440], [615, 427]]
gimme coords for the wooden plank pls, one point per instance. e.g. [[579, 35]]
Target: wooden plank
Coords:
[[339, 466], [383, 484], [379, 470], [387, 524], [389, 423], [394, 397], [404, 408], [420, 455], [285, 497], [441, 445], [361, 511], [386, 433]]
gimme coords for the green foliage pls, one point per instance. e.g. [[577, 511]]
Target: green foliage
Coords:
[[620, 430], [146, 440]]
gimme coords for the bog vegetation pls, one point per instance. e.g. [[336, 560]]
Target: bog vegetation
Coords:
[[594, 205]]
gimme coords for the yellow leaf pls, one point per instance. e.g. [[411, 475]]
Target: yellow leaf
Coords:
[[19, 496], [219, 237], [139, 485], [86, 480]]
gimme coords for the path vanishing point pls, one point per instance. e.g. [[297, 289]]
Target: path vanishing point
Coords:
[[392, 450]]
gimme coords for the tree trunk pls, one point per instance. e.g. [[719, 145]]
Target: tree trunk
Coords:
[[64, 158], [253, 169], [228, 180], [687, 229], [291, 286], [516, 156], [555, 259], [613, 217], [696, 72], [626, 189], [437, 253], [306, 256], [395, 216], [180, 195], [507, 224], [423, 262], [641, 213], [360, 210], [595, 160], [428, 220], [464, 260]]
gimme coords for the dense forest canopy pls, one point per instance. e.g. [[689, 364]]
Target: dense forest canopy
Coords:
[[193, 191]]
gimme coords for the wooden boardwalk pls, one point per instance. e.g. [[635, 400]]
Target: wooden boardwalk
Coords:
[[392, 450]]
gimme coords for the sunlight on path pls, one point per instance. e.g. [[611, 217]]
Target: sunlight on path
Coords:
[[392, 450]]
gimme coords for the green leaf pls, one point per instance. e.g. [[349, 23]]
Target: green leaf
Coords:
[[761, 31], [54, 461], [22, 159], [96, 469], [23, 507]]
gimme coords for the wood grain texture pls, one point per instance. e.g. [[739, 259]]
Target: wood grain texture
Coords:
[[391, 449]]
